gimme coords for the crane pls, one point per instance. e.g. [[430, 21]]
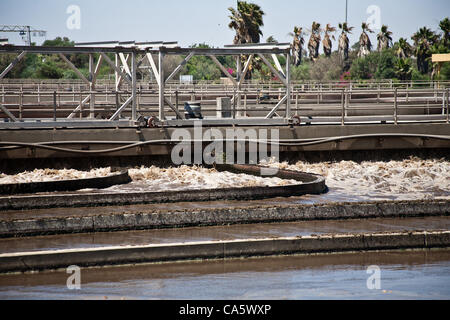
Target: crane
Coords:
[[24, 31]]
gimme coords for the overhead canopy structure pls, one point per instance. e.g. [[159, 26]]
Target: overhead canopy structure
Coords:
[[130, 54]]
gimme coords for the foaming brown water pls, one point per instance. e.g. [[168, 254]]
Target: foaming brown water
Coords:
[[409, 179]]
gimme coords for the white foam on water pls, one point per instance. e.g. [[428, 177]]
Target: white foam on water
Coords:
[[409, 179], [195, 177], [154, 178], [40, 175]]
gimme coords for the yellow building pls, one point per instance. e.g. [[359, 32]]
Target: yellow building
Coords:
[[440, 59]]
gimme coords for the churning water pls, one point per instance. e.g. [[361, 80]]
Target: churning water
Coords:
[[39, 175], [413, 178]]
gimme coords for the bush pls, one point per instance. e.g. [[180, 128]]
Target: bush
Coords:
[[375, 66], [386, 65], [418, 76], [301, 72], [48, 69], [445, 72], [326, 69]]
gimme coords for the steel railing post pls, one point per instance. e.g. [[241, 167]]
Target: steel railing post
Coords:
[[395, 107], [343, 107]]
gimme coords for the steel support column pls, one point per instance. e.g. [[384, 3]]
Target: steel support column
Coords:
[[288, 87], [91, 88], [161, 85], [238, 89], [133, 86]]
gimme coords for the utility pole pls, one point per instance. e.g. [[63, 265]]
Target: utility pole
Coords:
[[24, 31], [346, 11]]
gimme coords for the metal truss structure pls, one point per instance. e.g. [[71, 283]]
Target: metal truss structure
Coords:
[[130, 55], [24, 31]]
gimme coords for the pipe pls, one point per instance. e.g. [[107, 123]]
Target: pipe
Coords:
[[287, 142]]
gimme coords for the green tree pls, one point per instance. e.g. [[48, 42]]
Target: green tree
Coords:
[[203, 68], [378, 65], [444, 25], [301, 72], [403, 49], [384, 39], [423, 39], [326, 68], [271, 39], [403, 69], [314, 41], [247, 21], [59, 42], [365, 45], [344, 44], [327, 44], [386, 65], [297, 45]]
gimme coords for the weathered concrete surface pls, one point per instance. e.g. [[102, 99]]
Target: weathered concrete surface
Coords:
[[27, 261], [110, 219], [285, 132]]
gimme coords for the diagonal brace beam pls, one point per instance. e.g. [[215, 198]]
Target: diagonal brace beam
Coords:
[[8, 113], [12, 64], [278, 65], [246, 67], [82, 77], [275, 72], [154, 68], [97, 69], [85, 100], [119, 111], [177, 69], [113, 65], [225, 71], [179, 115], [125, 63], [274, 110]]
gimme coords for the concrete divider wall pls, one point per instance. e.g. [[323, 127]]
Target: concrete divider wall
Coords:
[[26, 261], [104, 221]]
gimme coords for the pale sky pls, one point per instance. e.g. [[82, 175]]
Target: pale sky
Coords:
[[198, 21]]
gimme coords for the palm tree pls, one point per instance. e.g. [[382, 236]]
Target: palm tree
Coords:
[[444, 25], [403, 49], [327, 45], [247, 21], [365, 45], [314, 41], [271, 39], [297, 45], [344, 41], [423, 41], [403, 69], [384, 39]]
